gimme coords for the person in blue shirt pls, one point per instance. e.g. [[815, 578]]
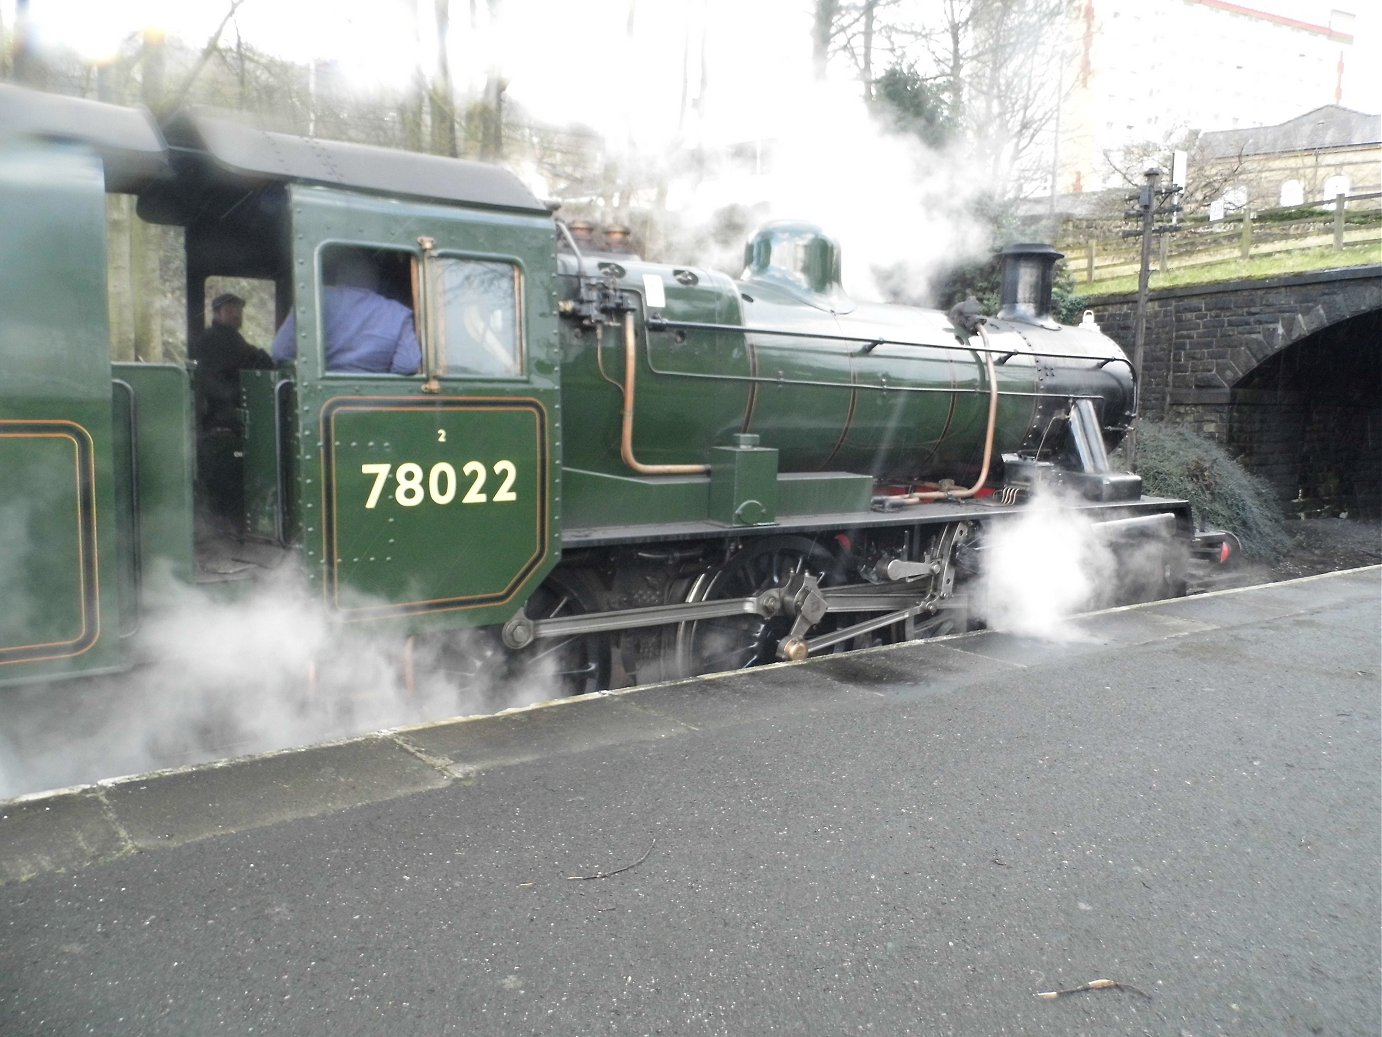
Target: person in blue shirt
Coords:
[[365, 331]]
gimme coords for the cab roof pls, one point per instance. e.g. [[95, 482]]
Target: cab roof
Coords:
[[127, 140], [224, 148], [210, 149]]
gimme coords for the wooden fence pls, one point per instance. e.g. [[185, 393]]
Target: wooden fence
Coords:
[[1098, 250]]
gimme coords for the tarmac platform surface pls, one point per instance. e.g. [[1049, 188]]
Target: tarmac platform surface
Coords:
[[914, 840]]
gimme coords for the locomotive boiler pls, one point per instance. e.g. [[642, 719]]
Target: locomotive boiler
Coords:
[[621, 469], [902, 394]]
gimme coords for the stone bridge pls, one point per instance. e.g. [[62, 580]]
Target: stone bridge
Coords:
[[1285, 372]]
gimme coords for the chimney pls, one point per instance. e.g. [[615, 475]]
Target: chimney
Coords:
[[1026, 291]]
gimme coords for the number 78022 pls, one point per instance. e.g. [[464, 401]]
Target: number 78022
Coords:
[[440, 484]]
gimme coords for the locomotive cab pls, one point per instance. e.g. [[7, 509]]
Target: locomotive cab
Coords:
[[373, 481], [412, 409]]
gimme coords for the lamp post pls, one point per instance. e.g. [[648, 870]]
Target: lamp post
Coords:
[[1146, 205], [1151, 203]]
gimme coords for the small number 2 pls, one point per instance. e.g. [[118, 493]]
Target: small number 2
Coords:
[[441, 435]]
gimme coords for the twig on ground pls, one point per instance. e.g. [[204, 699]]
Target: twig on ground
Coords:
[[1093, 984], [616, 871]]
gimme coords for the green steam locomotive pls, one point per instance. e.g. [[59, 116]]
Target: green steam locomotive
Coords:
[[629, 470]]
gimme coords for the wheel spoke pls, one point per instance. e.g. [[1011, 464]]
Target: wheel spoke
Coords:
[[710, 646]]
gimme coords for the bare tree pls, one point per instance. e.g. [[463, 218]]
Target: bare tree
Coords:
[[874, 34], [946, 42], [855, 34], [1012, 98], [176, 99], [6, 50], [24, 63], [990, 59], [485, 119], [823, 31], [1208, 175], [443, 95], [695, 73]]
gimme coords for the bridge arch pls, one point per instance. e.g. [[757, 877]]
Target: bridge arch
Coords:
[[1286, 372], [1307, 419]]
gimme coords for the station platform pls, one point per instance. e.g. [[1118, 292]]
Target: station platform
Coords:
[[1181, 797]]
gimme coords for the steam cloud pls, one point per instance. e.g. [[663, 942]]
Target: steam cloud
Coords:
[[715, 141], [900, 211], [1052, 563], [230, 679]]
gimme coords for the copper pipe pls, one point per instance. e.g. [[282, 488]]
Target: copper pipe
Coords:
[[935, 495], [600, 355], [626, 436]]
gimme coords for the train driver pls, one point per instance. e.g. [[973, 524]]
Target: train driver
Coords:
[[365, 331]]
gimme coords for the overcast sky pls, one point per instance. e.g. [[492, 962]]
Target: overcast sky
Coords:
[[565, 61], [577, 67], [569, 62]]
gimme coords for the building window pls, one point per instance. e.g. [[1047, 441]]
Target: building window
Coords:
[[1235, 198], [1335, 186], [1292, 193]]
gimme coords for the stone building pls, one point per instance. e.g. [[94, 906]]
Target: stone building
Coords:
[[1135, 74], [1314, 157]]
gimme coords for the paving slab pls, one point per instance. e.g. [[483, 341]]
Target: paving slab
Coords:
[[170, 809], [56, 832], [565, 726]]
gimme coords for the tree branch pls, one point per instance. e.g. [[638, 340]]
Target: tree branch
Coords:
[[207, 52]]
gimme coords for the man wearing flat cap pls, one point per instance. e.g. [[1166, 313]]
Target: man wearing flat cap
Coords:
[[221, 353]]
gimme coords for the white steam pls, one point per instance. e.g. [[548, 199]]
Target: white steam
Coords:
[[230, 679], [712, 135], [1051, 563], [900, 211]]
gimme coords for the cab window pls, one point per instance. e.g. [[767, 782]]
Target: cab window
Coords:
[[479, 317], [367, 321]]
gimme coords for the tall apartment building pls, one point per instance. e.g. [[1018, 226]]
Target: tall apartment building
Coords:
[[1139, 72]]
